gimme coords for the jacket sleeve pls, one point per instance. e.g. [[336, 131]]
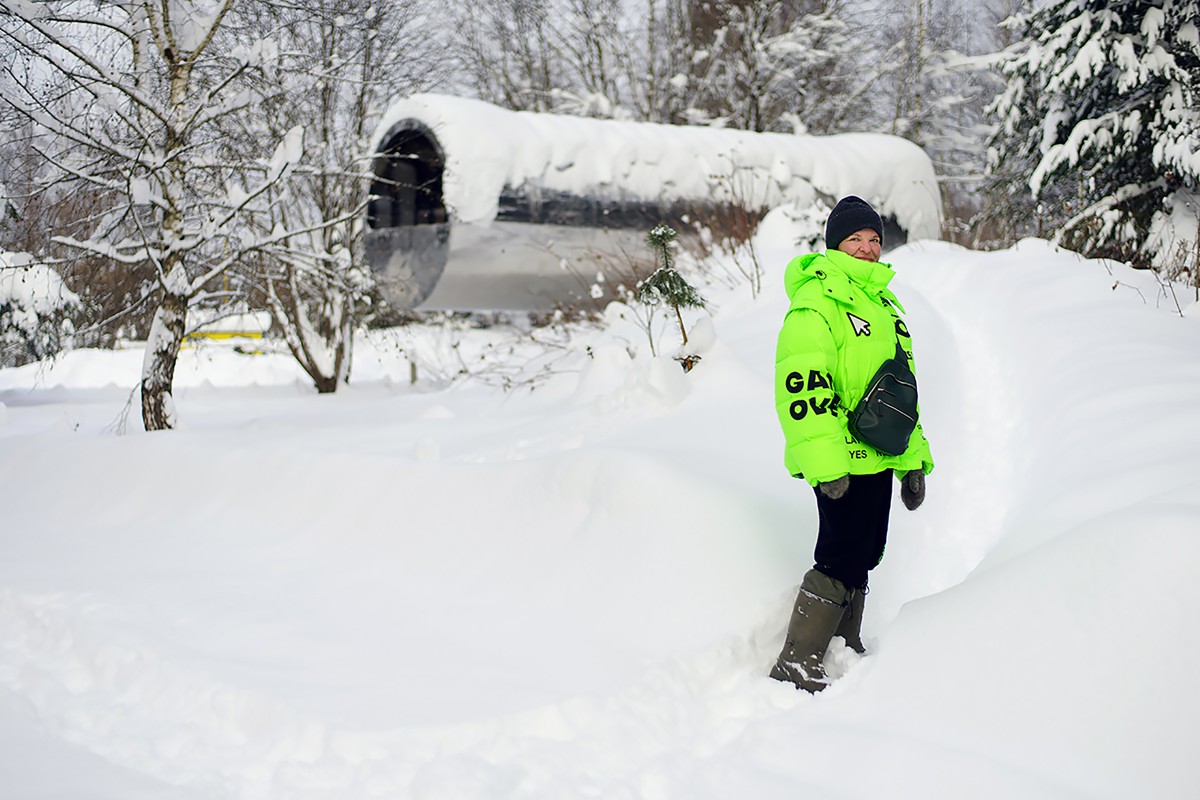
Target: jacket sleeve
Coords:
[[922, 450], [814, 426]]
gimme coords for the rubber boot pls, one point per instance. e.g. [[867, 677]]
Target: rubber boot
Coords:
[[819, 609], [850, 628]]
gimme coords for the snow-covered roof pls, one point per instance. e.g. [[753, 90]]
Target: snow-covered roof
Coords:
[[487, 148]]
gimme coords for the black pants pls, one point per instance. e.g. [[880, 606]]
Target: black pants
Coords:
[[853, 528]]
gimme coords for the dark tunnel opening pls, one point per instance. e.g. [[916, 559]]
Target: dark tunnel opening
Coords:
[[407, 188]]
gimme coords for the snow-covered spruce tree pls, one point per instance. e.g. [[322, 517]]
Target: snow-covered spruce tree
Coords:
[[139, 87], [1098, 127], [342, 61], [665, 286]]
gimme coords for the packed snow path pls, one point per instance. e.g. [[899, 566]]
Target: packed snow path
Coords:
[[456, 592]]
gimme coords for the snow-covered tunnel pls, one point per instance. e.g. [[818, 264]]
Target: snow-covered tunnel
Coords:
[[478, 207]]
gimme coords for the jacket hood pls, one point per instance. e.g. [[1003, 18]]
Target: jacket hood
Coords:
[[839, 273]]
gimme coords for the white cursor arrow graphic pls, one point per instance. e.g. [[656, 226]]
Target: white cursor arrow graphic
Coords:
[[861, 326]]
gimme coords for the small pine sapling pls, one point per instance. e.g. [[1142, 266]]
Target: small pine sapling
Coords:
[[666, 286]]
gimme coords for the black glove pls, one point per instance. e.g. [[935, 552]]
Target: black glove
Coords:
[[835, 488], [912, 489]]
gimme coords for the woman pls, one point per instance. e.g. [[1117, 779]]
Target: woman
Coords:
[[843, 326]]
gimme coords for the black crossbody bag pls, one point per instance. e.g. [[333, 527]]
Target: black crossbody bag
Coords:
[[886, 415]]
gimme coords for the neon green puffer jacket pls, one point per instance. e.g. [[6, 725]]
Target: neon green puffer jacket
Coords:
[[842, 325]]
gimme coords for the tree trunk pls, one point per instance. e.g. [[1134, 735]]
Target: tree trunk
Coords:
[[320, 346], [324, 383], [158, 368], [337, 343], [682, 329]]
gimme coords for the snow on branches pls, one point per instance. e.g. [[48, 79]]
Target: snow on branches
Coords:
[[1101, 120], [135, 98], [35, 310], [666, 287]]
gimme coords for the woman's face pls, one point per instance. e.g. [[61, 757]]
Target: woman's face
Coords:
[[864, 245]]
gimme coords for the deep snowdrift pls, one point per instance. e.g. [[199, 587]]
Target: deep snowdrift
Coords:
[[450, 591]]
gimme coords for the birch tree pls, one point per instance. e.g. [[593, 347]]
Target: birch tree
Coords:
[[134, 95]]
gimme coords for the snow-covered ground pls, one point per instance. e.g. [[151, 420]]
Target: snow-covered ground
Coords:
[[449, 590]]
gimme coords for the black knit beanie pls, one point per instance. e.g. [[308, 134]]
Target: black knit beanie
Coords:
[[851, 215]]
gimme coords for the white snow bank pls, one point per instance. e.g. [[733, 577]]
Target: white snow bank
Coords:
[[1174, 233], [440, 591]]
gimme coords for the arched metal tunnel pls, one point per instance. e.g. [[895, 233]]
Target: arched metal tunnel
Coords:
[[478, 207]]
